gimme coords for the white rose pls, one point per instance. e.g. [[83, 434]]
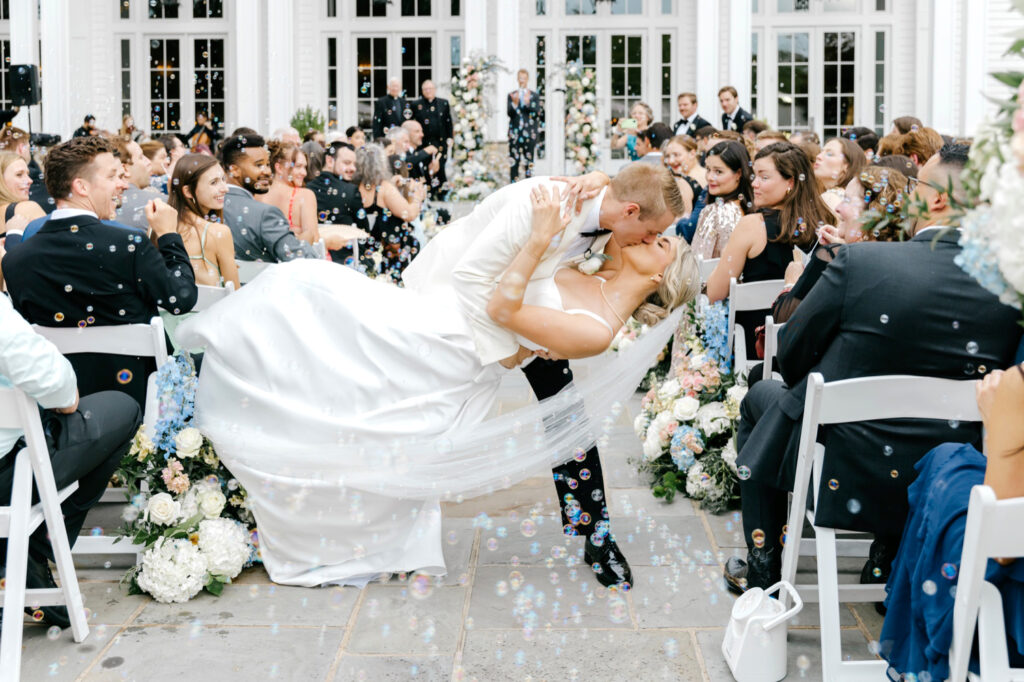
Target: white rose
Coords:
[[685, 408], [695, 487], [736, 393], [640, 424], [188, 442], [162, 509], [659, 427], [696, 361], [583, 153], [591, 266], [669, 390], [729, 455], [211, 502], [653, 449]]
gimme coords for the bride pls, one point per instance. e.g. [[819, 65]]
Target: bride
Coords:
[[349, 408]]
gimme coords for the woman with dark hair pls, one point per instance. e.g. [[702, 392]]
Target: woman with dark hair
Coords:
[[729, 197], [840, 161], [197, 194], [288, 190], [762, 244], [904, 124]]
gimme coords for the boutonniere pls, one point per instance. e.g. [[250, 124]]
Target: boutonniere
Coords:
[[592, 263]]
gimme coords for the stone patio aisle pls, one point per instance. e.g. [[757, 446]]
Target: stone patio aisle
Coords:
[[516, 605]]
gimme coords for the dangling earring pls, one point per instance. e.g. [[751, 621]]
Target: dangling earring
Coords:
[[787, 189]]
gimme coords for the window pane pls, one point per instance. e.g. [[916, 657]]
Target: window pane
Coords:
[[125, 9], [332, 8], [841, 5], [794, 5], [627, 6], [666, 6], [542, 7], [408, 8], [581, 6], [456, 48], [456, 8], [879, 5], [754, 39]]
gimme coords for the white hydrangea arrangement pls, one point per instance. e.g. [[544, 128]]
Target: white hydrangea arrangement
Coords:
[[473, 177], [582, 129]]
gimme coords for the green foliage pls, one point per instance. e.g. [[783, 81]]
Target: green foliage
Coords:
[[307, 118]]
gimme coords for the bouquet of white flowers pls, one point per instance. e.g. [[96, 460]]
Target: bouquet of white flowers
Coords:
[[186, 508]]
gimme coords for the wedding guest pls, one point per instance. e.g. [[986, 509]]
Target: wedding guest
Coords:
[[175, 150], [643, 115], [751, 129], [705, 138], [730, 197], [132, 210], [88, 127], [681, 156], [15, 183], [840, 161], [314, 135], [387, 210], [898, 162], [287, 134], [523, 108], [78, 272], [86, 437], [159, 163], [904, 124], [810, 148], [129, 131], [18, 141], [762, 243], [691, 121], [734, 117], [314, 159], [259, 231], [767, 137], [422, 160], [434, 114], [197, 194], [801, 136], [203, 133], [355, 136], [338, 200], [288, 193], [942, 324], [649, 142], [389, 110], [866, 139], [920, 144]]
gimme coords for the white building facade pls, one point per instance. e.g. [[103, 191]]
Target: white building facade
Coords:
[[819, 64]]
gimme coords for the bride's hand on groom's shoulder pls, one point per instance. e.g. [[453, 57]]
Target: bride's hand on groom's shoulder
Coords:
[[547, 213]]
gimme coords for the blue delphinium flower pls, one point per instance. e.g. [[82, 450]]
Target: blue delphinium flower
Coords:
[[714, 321], [176, 388], [686, 444], [977, 257]]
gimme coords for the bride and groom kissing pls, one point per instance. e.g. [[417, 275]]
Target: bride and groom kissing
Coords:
[[350, 408]]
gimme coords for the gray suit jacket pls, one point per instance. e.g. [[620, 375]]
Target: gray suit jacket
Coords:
[[133, 206], [260, 231]]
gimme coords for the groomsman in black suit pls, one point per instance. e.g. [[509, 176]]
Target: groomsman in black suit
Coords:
[[389, 110], [734, 117], [691, 121], [523, 126], [78, 271], [879, 308], [423, 160], [434, 114]]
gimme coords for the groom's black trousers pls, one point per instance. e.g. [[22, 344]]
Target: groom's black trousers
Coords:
[[579, 482]]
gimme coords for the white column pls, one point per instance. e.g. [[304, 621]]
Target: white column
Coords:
[[923, 62], [55, 35], [707, 59], [974, 77], [475, 40], [740, 26], [943, 66], [25, 49], [507, 50], [246, 94], [280, 66]]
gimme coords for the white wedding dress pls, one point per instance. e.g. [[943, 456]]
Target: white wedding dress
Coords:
[[348, 408]]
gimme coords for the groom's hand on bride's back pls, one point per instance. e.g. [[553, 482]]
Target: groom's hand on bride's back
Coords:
[[582, 188]]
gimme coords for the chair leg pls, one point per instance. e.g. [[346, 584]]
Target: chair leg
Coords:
[[995, 661], [828, 603], [17, 564]]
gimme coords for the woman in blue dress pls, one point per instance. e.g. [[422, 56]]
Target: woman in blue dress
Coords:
[[642, 113]]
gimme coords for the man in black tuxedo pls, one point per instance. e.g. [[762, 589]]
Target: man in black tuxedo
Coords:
[[389, 110], [337, 199], [434, 114], [423, 160], [879, 308], [78, 272], [523, 125], [734, 117], [691, 121]]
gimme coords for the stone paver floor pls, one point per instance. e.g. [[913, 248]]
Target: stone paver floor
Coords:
[[517, 604]]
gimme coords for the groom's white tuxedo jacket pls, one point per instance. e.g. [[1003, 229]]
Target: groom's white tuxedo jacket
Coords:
[[472, 253]]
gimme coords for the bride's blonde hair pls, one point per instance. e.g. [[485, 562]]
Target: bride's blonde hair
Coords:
[[680, 283]]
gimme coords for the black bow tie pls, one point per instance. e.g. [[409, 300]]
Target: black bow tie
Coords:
[[594, 233]]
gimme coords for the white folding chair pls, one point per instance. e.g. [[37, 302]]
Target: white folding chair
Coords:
[[19, 520], [249, 269], [978, 601], [210, 295], [841, 402], [707, 266], [771, 344], [320, 249], [143, 340], [743, 297]]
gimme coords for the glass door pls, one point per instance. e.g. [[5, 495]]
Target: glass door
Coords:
[[793, 102]]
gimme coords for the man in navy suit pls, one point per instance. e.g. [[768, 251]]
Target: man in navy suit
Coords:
[[733, 115]]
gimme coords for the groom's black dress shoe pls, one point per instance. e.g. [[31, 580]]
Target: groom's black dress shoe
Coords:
[[878, 567], [761, 569], [608, 564]]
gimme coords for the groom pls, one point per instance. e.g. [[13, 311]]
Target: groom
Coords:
[[472, 254]]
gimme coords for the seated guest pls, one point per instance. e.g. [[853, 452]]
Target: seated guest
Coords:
[[379, 197], [918, 628], [919, 144], [259, 231], [898, 162], [198, 189], [337, 199], [682, 158], [705, 137], [86, 438], [904, 124], [15, 183], [752, 129], [78, 272], [423, 161], [840, 161], [762, 243], [314, 158], [132, 210], [801, 136], [175, 150], [159, 163], [355, 136], [866, 139], [853, 324], [649, 142], [18, 141], [288, 190], [729, 196], [767, 137]]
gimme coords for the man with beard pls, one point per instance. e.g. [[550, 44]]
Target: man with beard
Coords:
[[260, 231], [337, 199]]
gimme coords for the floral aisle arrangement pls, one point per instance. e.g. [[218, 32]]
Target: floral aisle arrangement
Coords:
[[581, 126], [474, 178], [688, 420], [186, 509]]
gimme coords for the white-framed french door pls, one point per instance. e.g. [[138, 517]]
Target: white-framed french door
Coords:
[[183, 74]]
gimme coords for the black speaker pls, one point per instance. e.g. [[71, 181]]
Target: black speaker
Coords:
[[24, 85]]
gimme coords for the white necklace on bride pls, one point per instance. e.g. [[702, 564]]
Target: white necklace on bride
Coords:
[[609, 304]]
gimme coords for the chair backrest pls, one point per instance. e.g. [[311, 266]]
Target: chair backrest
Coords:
[[15, 406], [707, 266], [210, 295], [249, 269], [771, 344], [890, 397], [320, 248], [750, 296], [143, 340]]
